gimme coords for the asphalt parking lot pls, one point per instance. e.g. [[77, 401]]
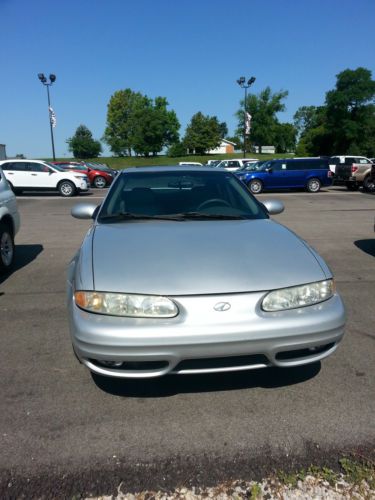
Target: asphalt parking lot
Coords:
[[64, 432]]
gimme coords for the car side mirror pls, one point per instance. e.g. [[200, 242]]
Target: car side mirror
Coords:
[[274, 207], [84, 211], [269, 170]]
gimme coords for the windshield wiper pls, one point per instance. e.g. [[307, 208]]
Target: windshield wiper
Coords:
[[202, 215], [130, 216]]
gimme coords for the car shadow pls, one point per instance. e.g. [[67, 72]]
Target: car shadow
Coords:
[[367, 246], [23, 256], [171, 385]]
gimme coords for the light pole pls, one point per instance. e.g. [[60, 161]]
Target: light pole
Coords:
[[45, 82], [242, 83]]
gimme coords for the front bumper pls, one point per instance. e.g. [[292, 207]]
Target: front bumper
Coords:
[[83, 185], [202, 340]]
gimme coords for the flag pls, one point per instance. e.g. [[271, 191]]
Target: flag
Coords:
[[247, 123], [52, 117]]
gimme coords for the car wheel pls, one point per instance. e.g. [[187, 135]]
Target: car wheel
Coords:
[[6, 248], [255, 186], [351, 186], [67, 189], [369, 184], [100, 182], [313, 185]]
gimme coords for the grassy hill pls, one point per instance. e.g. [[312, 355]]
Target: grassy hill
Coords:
[[137, 161]]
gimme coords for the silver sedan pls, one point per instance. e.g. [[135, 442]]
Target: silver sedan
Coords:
[[183, 271]]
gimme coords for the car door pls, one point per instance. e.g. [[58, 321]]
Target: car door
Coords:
[[296, 171], [16, 173], [275, 175], [41, 176]]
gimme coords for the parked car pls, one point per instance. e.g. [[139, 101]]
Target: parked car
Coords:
[[212, 163], [249, 166], [9, 224], [185, 272], [98, 177], [233, 165], [308, 173], [37, 175], [353, 172], [191, 163]]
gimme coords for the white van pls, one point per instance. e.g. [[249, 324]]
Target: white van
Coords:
[[9, 224], [37, 175]]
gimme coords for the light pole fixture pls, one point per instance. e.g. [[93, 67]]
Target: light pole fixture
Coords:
[[46, 83], [242, 83]]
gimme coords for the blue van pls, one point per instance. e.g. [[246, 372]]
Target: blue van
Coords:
[[307, 173]]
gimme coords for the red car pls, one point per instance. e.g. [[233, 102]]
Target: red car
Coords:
[[98, 177]]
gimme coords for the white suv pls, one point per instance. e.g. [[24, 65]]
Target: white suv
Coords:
[[9, 224], [233, 165], [36, 175]]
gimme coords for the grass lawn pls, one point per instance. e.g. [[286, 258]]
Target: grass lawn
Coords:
[[138, 161]]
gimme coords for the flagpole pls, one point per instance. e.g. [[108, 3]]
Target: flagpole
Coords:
[[44, 81], [50, 123], [241, 82]]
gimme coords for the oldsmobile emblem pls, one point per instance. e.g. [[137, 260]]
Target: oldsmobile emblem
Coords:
[[222, 306]]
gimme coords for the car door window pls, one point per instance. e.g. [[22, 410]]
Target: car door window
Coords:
[[38, 167]]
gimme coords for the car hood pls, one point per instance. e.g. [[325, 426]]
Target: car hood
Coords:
[[200, 257]]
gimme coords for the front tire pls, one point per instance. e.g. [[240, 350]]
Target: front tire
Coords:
[[313, 185], [369, 184], [67, 189], [100, 182], [255, 186], [7, 249]]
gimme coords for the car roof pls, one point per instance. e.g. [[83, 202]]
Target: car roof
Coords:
[[17, 160]]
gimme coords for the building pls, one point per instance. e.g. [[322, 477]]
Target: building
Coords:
[[226, 147], [265, 149], [3, 155]]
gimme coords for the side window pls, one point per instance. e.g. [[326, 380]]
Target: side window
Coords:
[[350, 159], [295, 165], [277, 165], [19, 166], [363, 161], [233, 164], [7, 166], [38, 167]]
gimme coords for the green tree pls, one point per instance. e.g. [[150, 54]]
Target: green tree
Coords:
[[137, 123], [203, 133], [119, 131], [350, 113], [263, 109], [83, 145], [285, 135], [155, 127], [177, 149]]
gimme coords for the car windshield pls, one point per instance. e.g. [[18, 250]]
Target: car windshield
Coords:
[[265, 164], [251, 166], [76, 167], [99, 166], [179, 195], [56, 167]]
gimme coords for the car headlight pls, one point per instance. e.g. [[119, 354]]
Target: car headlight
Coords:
[[123, 304], [298, 296]]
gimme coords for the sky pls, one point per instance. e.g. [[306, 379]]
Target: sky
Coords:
[[189, 51]]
